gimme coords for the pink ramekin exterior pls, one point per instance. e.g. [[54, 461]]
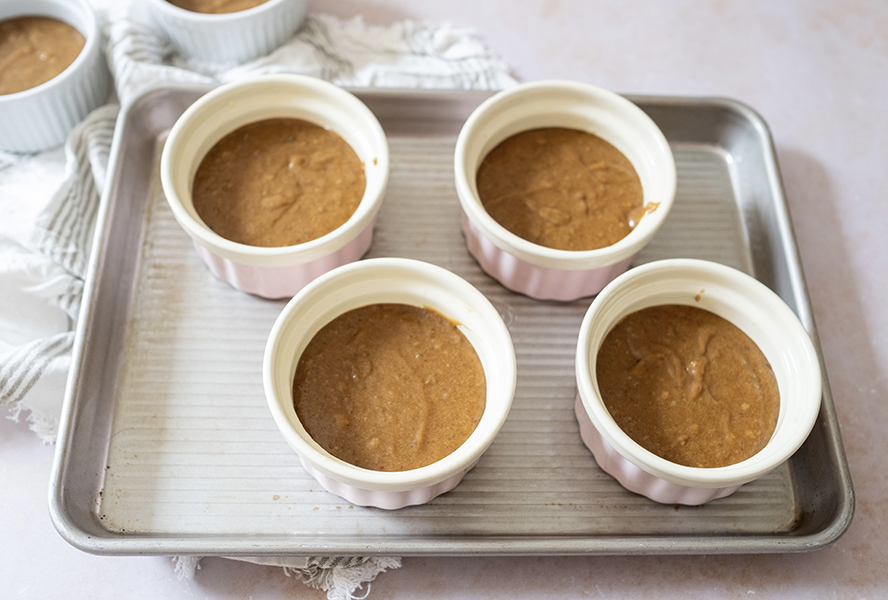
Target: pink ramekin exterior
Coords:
[[283, 282], [387, 500], [636, 480], [541, 283]]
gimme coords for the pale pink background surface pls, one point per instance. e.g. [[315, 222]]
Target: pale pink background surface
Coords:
[[818, 73]]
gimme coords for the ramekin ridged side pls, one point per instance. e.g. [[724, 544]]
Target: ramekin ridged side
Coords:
[[537, 282], [754, 309], [636, 479], [386, 499], [280, 282], [230, 37], [41, 118], [389, 280], [275, 272], [548, 273]]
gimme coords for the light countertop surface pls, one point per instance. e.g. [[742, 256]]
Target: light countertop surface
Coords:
[[817, 72]]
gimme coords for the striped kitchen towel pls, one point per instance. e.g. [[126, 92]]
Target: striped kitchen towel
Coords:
[[349, 53], [49, 201]]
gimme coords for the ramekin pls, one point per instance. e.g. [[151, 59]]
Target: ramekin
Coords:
[[388, 280], [280, 271], [750, 306], [528, 268], [230, 37], [41, 117]]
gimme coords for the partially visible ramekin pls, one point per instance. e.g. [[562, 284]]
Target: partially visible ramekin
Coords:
[[750, 306], [547, 273], [230, 37], [401, 281], [41, 117], [281, 271]]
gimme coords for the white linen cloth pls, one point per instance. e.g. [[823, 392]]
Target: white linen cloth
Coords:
[[49, 201]]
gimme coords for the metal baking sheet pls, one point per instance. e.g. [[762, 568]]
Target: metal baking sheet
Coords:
[[167, 446]]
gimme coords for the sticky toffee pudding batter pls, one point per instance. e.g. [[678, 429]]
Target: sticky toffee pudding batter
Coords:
[[389, 387], [34, 50], [278, 182], [561, 188], [688, 385]]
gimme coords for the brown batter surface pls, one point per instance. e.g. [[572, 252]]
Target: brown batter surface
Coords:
[[390, 387], [33, 50], [278, 182], [688, 385], [561, 188], [216, 7]]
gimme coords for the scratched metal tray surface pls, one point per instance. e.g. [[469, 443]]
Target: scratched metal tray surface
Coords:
[[167, 446]]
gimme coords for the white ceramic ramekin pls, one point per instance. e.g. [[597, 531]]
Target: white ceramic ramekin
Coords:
[[282, 271], [41, 117], [754, 309], [547, 273], [230, 37], [388, 280]]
